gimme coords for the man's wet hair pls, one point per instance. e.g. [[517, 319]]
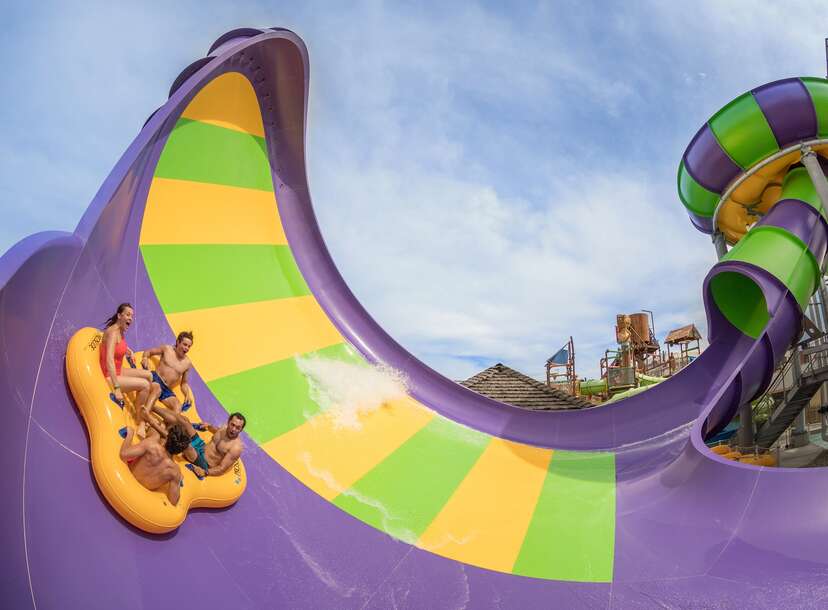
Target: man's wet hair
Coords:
[[177, 439], [185, 334], [239, 416]]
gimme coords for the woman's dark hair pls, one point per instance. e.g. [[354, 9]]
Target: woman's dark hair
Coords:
[[177, 439], [114, 317]]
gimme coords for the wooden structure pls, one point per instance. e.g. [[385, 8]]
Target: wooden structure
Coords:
[[560, 369], [688, 340]]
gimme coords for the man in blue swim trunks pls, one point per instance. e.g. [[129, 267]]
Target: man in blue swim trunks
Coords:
[[215, 457], [171, 371]]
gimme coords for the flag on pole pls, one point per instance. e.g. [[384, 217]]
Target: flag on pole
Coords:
[[561, 356]]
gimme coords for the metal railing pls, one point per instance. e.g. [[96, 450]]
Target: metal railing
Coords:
[[667, 367], [778, 384], [807, 358]]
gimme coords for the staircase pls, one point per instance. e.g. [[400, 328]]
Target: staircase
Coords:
[[791, 405], [805, 369]]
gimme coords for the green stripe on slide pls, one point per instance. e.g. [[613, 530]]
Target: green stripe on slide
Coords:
[[818, 90], [694, 196], [187, 277], [207, 153], [275, 398], [783, 255], [572, 533], [404, 493], [743, 131]]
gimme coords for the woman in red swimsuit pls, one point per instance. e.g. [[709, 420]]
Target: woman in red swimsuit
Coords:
[[113, 349]]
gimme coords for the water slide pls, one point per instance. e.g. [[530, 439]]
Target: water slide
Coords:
[[591, 387], [432, 497]]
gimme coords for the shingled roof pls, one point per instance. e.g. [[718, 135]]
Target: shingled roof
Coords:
[[683, 334], [508, 385]]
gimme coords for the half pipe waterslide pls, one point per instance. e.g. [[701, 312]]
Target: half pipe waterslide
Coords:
[[434, 498]]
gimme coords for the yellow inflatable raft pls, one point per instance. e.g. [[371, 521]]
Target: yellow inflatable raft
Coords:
[[106, 421]]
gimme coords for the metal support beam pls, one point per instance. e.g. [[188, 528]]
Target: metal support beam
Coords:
[[823, 307], [746, 435], [823, 298], [811, 163], [799, 435], [719, 244], [809, 326]]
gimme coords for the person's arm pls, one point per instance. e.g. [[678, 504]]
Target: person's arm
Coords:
[[157, 427], [130, 451], [226, 462], [203, 426], [174, 487], [155, 351], [185, 386], [110, 367]]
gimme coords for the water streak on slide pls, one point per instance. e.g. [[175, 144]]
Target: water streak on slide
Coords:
[[436, 499]]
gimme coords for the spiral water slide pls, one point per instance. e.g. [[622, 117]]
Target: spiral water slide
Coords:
[[440, 498]]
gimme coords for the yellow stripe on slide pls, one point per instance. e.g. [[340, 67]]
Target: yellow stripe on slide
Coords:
[[228, 101], [235, 338], [486, 519], [329, 455], [185, 212]]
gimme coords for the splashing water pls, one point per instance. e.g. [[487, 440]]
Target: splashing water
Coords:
[[347, 390]]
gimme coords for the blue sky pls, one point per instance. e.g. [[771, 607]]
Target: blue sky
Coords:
[[489, 181]]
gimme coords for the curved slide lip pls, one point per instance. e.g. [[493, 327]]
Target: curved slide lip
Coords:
[[607, 427]]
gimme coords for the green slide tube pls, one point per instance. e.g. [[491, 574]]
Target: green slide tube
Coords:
[[591, 387], [775, 250]]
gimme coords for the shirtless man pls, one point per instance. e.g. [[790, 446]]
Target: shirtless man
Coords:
[[151, 461], [172, 369], [213, 458]]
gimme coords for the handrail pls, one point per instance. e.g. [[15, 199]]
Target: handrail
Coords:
[[782, 372], [799, 350], [812, 354]]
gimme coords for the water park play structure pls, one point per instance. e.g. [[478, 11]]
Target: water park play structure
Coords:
[[636, 365], [439, 498]]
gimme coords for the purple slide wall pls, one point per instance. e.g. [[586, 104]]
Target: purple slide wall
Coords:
[[692, 530]]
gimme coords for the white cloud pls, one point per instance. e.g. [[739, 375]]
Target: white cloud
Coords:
[[451, 264]]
